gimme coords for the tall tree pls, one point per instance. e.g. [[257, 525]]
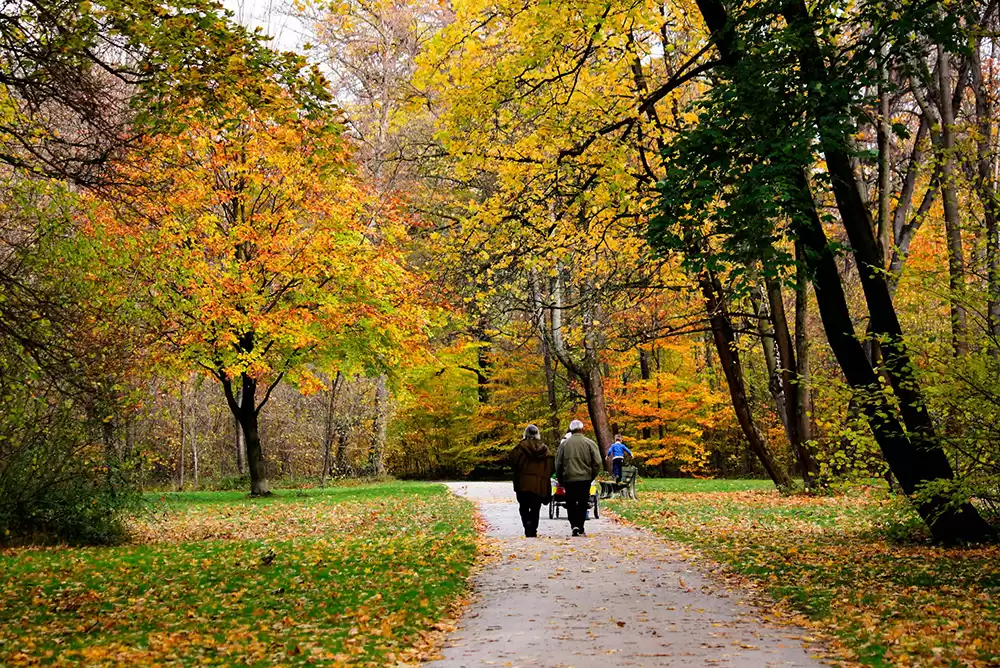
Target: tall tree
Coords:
[[562, 195], [770, 175], [263, 265]]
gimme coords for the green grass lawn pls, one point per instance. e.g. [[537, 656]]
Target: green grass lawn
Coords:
[[855, 565], [347, 574], [699, 485]]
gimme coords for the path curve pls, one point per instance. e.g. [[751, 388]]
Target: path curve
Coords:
[[617, 597]]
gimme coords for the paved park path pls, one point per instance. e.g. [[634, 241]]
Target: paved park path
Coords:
[[616, 597]]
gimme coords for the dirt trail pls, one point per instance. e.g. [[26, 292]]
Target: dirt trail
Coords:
[[617, 597]]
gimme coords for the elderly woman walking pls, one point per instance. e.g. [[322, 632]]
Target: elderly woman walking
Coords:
[[532, 470]]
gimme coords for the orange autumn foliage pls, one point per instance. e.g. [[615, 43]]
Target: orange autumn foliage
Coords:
[[261, 250]]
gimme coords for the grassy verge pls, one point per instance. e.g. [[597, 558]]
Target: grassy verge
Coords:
[[849, 563], [353, 574], [685, 485]]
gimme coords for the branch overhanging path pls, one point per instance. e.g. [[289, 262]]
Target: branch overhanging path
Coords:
[[619, 596]]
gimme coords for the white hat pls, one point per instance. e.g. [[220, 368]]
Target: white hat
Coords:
[[575, 425]]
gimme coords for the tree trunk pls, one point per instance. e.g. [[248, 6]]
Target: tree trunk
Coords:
[[919, 458], [483, 372], [255, 460], [240, 446], [550, 393], [911, 464], [789, 379], [588, 372], [986, 168], [729, 360], [328, 428], [647, 432], [952, 217], [763, 323], [802, 347], [180, 481], [381, 418], [597, 408], [884, 134], [246, 412]]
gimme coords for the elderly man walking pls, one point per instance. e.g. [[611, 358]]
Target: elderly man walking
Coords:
[[578, 462]]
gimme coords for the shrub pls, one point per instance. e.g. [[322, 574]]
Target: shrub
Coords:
[[59, 479]]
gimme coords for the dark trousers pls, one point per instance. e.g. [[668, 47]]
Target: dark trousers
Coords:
[[577, 495], [529, 504], [616, 467]]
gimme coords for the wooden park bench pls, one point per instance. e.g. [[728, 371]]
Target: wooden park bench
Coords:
[[625, 487]]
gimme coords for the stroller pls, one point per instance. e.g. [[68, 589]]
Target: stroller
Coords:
[[559, 500]]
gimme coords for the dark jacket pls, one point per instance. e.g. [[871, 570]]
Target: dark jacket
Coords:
[[532, 468], [577, 459]]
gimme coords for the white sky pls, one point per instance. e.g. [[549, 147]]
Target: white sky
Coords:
[[276, 17]]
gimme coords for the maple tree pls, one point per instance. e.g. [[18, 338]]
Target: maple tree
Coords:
[[254, 242], [665, 413], [82, 84]]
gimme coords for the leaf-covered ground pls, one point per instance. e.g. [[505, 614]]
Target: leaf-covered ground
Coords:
[[354, 575], [848, 563]]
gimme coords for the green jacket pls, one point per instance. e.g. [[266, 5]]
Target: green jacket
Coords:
[[578, 458]]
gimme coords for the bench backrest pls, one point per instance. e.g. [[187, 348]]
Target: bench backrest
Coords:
[[628, 474]]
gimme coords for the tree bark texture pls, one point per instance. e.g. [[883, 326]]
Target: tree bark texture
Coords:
[[919, 458], [789, 375], [765, 332], [729, 359], [952, 216], [644, 373], [597, 407], [986, 168], [802, 346], [913, 462], [380, 423], [240, 446], [246, 413]]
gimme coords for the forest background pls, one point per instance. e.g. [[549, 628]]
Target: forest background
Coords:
[[754, 239]]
